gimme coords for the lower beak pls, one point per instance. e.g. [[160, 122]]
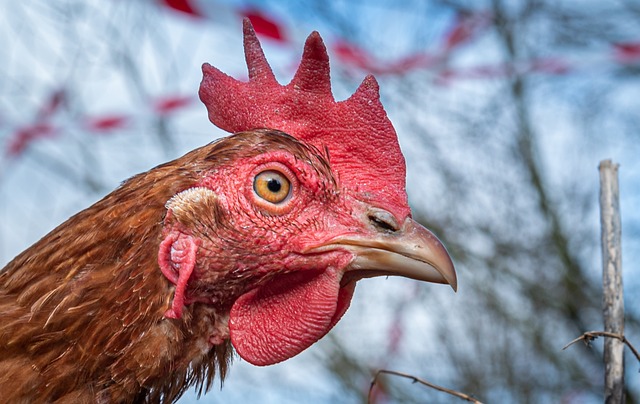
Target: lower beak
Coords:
[[412, 251]]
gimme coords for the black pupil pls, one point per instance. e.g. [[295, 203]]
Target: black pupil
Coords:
[[274, 185]]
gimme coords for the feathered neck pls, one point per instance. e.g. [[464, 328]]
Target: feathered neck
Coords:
[[82, 308]]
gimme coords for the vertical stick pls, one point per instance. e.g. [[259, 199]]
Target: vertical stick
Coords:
[[613, 303]]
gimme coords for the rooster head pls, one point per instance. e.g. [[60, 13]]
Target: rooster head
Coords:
[[303, 200]]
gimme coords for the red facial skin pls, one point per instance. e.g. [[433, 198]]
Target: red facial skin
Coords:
[[251, 254]]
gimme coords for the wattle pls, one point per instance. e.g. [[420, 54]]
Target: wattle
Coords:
[[282, 318]]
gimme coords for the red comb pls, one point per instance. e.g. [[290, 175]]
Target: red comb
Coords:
[[364, 151]]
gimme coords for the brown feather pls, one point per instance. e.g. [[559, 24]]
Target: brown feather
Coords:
[[82, 309]]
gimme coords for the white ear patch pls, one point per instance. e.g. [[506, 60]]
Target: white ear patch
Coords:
[[190, 197], [193, 206]]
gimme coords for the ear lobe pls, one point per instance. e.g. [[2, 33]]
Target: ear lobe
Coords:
[[192, 208], [177, 260]]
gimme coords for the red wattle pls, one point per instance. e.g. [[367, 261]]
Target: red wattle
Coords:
[[287, 315]]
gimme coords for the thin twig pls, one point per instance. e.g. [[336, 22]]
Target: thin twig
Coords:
[[415, 379], [589, 336]]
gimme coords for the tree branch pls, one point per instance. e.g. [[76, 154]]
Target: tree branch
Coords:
[[589, 336], [415, 379]]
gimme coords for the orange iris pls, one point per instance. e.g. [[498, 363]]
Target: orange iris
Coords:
[[272, 186]]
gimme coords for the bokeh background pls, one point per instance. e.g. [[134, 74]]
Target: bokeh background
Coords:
[[503, 110]]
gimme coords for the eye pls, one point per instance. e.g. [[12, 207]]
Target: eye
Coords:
[[272, 186]]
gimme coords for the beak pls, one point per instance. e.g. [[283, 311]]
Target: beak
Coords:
[[412, 251]]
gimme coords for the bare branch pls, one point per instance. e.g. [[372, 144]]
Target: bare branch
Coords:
[[415, 379], [589, 336]]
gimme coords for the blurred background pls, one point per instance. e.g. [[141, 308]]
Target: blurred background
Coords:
[[503, 110]]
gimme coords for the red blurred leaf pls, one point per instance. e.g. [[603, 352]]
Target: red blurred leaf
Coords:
[[52, 105], [550, 66], [183, 6], [352, 54], [627, 52], [166, 105], [24, 136], [420, 60], [265, 26], [465, 28], [104, 124]]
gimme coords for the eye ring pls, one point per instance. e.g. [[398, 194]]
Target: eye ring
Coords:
[[272, 186]]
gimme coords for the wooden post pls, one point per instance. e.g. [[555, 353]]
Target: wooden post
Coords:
[[613, 302]]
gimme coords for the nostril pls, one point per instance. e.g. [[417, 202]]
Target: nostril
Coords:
[[382, 225], [383, 220]]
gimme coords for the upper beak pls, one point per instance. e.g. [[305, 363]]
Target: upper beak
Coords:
[[412, 251]]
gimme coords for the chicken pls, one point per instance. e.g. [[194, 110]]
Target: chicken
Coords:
[[253, 243]]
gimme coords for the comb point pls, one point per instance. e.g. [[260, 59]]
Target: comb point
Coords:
[[257, 64], [216, 90], [313, 74], [367, 93]]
